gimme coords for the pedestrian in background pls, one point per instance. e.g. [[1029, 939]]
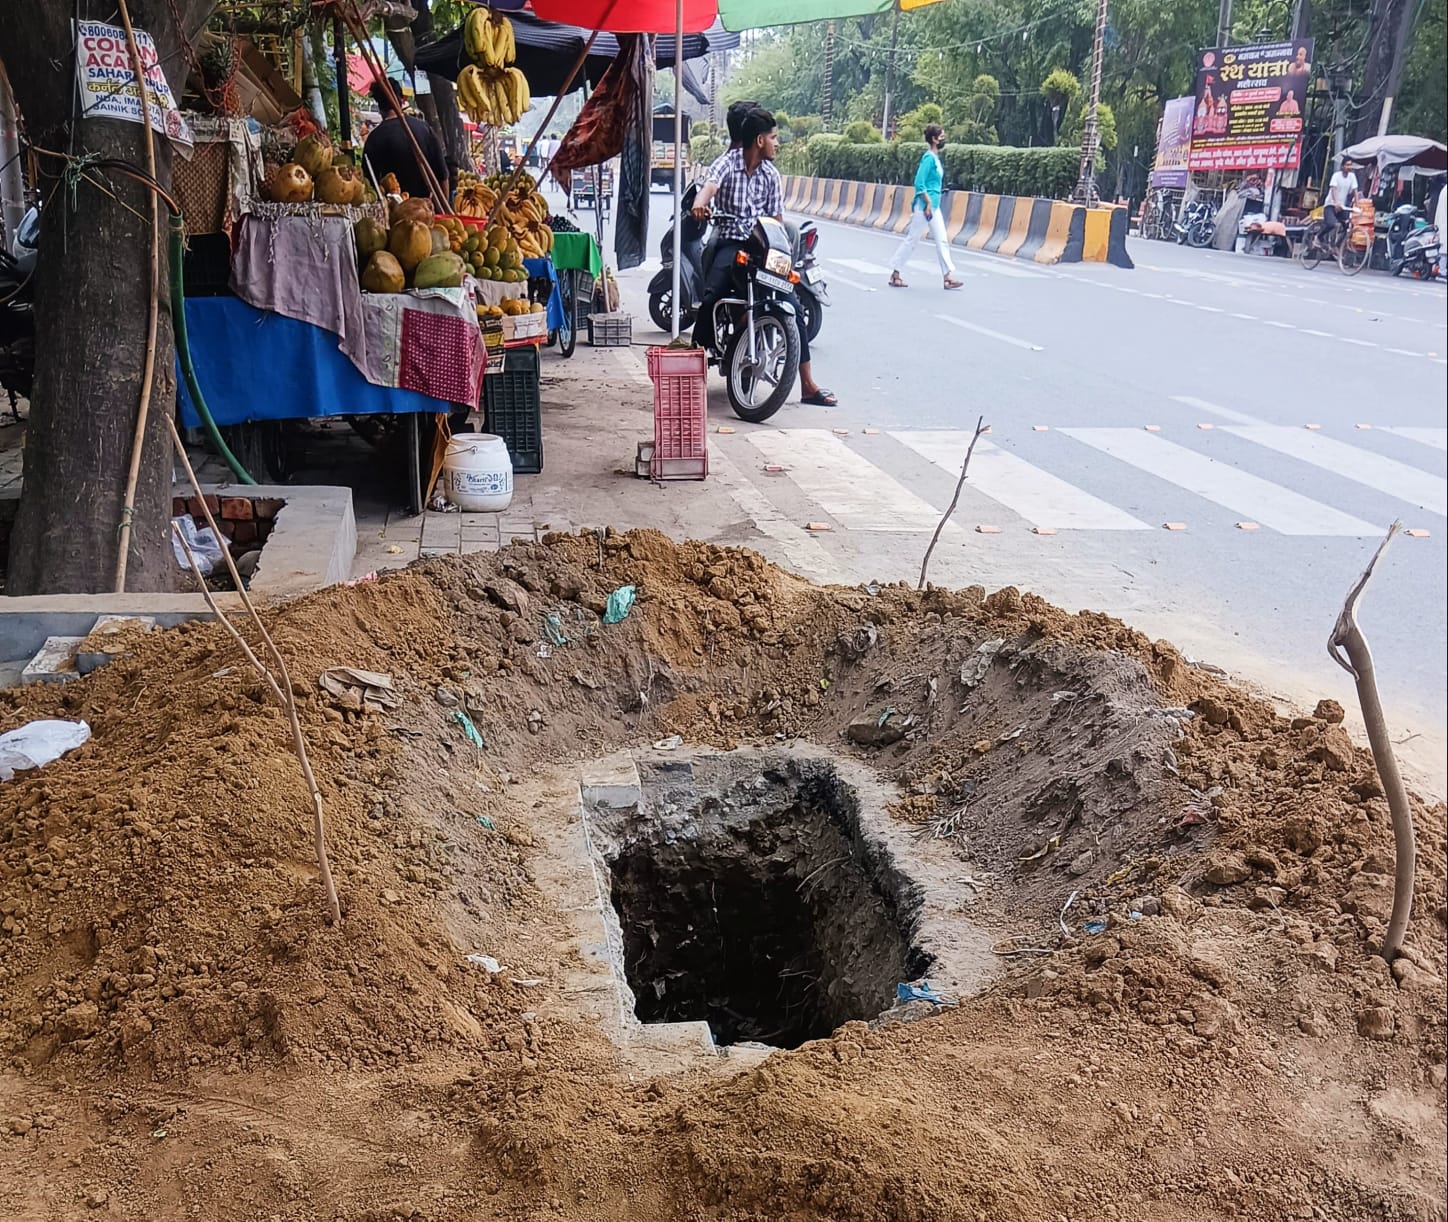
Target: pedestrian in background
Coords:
[[925, 213]]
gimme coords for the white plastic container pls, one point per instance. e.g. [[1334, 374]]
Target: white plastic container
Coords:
[[477, 474]]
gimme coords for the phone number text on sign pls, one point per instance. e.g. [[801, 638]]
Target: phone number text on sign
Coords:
[[108, 86]]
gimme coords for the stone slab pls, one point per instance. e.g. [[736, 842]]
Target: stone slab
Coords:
[[612, 781], [54, 662]]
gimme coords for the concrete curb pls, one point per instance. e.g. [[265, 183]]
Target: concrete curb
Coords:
[[1016, 227]]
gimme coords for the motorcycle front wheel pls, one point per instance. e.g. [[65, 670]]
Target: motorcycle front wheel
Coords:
[[1200, 233], [661, 308], [759, 387]]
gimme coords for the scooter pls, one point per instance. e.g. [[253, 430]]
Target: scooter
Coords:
[[812, 291], [1414, 246]]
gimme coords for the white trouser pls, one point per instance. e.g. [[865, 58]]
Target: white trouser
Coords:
[[918, 225]]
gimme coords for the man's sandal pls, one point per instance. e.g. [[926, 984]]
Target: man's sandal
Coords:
[[821, 398]]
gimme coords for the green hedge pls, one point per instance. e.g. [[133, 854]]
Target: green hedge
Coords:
[[1047, 172]]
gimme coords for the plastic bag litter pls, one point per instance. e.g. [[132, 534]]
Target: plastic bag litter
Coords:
[[202, 540], [38, 743], [921, 990], [620, 602]]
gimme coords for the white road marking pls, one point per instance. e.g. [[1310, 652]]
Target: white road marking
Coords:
[[1437, 438], [1211, 309], [836, 278], [1257, 500], [1319, 334], [998, 264], [799, 549], [1248, 317], [1385, 475], [979, 330], [1402, 352], [632, 366], [1036, 495], [1360, 343], [846, 485], [863, 266], [1286, 326], [1226, 413]]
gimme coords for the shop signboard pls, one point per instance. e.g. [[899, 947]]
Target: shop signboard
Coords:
[[108, 87], [1249, 104], [1173, 143]]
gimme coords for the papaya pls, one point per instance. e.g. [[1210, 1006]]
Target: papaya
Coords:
[[413, 208], [410, 242], [443, 270], [370, 237], [314, 153], [383, 274], [340, 184]]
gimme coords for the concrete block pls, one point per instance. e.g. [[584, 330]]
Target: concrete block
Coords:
[[54, 663], [612, 782]]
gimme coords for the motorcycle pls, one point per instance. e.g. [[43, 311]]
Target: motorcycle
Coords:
[[1195, 224], [1414, 246], [812, 291], [17, 312]]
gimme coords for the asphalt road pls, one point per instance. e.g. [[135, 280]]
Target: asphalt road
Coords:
[[1282, 418]]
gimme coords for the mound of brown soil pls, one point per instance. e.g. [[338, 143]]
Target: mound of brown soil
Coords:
[[1227, 1046]]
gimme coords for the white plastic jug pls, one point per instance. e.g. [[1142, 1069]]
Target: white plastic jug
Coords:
[[477, 474]]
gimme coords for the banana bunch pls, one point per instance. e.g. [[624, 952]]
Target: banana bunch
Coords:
[[488, 39], [495, 96], [525, 213]]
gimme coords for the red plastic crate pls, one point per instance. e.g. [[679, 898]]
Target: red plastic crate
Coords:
[[681, 447]]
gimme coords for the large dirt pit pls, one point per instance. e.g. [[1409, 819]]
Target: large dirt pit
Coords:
[[640, 955]]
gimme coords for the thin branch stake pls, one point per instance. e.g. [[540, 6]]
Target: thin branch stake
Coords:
[[281, 689], [980, 427], [1348, 638]]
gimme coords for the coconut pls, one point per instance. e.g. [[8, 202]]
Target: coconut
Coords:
[[370, 237], [414, 208], [410, 243], [314, 153], [291, 184], [383, 274], [444, 270], [340, 184]]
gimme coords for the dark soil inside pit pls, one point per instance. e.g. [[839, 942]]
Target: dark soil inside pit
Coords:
[[773, 922]]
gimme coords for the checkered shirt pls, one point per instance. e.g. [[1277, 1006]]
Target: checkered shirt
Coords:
[[747, 197]]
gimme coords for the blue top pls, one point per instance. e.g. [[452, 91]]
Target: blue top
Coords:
[[929, 179]]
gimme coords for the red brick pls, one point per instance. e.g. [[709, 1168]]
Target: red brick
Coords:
[[178, 506], [193, 507], [242, 532], [267, 507], [213, 503], [226, 528], [236, 508]]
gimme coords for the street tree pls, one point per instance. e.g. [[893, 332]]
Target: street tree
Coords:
[[92, 296]]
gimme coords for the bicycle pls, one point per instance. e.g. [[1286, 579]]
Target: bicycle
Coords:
[[1351, 246], [1158, 214]]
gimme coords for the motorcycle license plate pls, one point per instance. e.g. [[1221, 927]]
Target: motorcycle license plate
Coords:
[[811, 276], [771, 281]]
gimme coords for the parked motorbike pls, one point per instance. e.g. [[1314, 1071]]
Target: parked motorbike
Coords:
[[1195, 224], [1414, 246], [17, 311], [812, 291]]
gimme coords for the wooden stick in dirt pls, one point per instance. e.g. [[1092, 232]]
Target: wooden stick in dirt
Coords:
[[1348, 638], [282, 689], [980, 427]]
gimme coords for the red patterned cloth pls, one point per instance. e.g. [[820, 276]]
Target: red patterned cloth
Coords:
[[439, 356]]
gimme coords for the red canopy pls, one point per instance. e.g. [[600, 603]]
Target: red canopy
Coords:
[[629, 16]]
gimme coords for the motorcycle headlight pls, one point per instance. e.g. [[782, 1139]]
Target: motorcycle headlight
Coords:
[[778, 262]]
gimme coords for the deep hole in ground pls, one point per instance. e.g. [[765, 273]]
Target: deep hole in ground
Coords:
[[758, 907]]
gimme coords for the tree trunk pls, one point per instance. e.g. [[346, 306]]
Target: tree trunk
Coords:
[[92, 293]]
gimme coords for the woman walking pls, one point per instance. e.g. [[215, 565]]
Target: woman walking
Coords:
[[925, 213]]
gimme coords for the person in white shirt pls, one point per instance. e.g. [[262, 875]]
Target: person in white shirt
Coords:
[[1342, 191]]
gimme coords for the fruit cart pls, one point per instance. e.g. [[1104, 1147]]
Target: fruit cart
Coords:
[[592, 187], [578, 263]]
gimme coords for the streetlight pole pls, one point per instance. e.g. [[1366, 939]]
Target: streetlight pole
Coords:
[[890, 71]]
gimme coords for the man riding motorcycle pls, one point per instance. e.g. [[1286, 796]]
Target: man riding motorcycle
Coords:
[[747, 187]]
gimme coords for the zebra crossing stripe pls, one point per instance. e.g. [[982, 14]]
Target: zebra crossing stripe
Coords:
[[846, 485], [1042, 499], [1385, 475], [1437, 438], [1256, 499]]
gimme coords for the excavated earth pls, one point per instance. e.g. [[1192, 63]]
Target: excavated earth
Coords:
[[1184, 1016]]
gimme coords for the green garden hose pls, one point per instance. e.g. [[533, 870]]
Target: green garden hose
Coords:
[[183, 352]]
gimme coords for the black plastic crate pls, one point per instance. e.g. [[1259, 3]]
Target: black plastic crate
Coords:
[[512, 409]]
